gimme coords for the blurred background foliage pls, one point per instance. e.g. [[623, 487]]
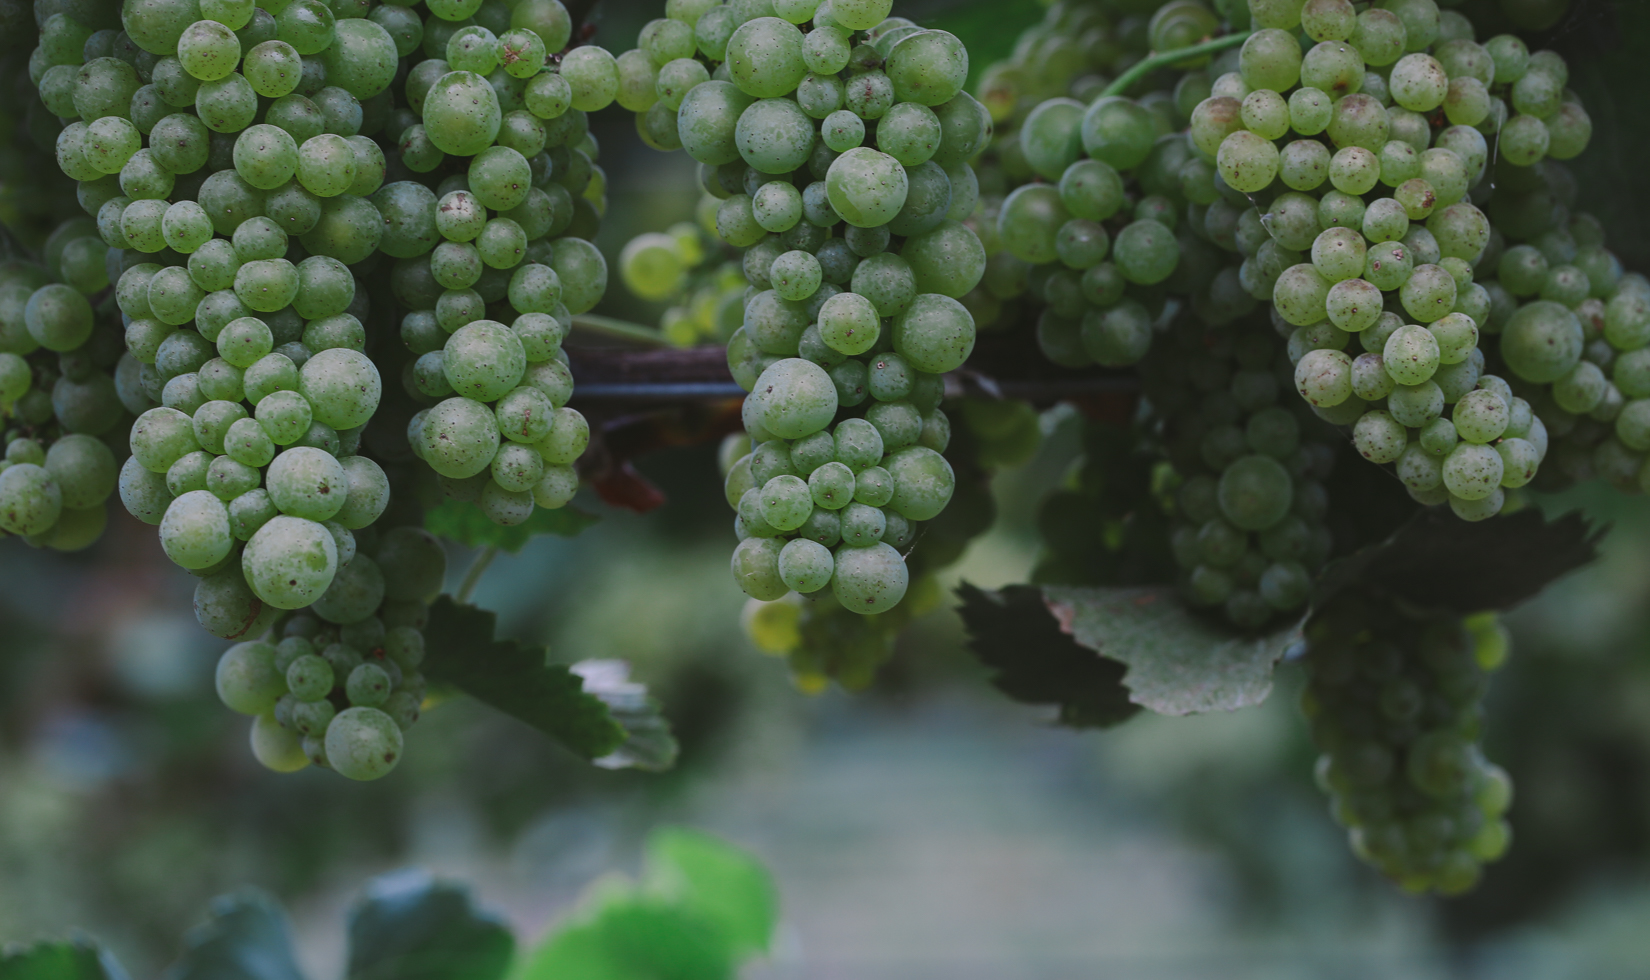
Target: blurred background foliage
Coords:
[[924, 828]]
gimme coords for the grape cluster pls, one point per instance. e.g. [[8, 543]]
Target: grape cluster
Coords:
[[824, 641], [1374, 234], [685, 265], [341, 683], [239, 168], [58, 397], [1249, 531], [858, 124], [1091, 228], [1572, 327], [1395, 704]]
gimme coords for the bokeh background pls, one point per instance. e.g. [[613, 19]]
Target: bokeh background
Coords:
[[926, 828]]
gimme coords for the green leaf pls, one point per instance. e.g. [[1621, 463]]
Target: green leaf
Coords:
[[1178, 663], [1034, 661], [1438, 561], [246, 938], [717, 881], [466, 524], [702, 907], [517, 679], [636, 938], [408, 926], [648, 742], [77, 959]]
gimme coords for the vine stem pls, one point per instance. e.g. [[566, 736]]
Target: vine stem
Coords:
[[472, 578], [620, 329], [1146, 66]]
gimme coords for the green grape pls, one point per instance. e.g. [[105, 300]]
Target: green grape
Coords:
[[247, 442], [244, 341], [326, 165], [1338, 254], [459, 438], [1324, 378], [247, 680], [286, 417], [461, 113], [936, 334], [1353, 305], [195, 530], [866, 187], [1387, 265], [1411, 355], [583, 273], [1481, 417], [109, 142], [774, 136], [58, 317], [795, 397], [795, 275], [1255, 493], [1457, 337], [1429, 293], [228, 200], [1543, 341], [30, 499], [777, 206], [593, 76], [861, 525], [474, 49], [869, 580], [186, 226], [756, 568], [1378, 437], [1303, 165], [1117, 337], [342, 386], [265, 157], [228, 479], [1385, 221], [805, 565], [141, 178], [363, 743]]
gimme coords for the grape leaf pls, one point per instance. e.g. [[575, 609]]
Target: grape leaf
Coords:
[[648, 742], [1438, 561], [78, 959], [408, 926], [1014, 634], [634, 938], [466, 524], [246, 938], [717, 881], [703, 906], [516, 678], [1178, 664]]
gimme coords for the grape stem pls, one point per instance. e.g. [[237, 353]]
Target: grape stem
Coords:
[[1146, 66], [620, 329], [478, 568]]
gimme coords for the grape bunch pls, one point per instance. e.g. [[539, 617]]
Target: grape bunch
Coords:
[[338, 683], [822, 640], [58, 398], [1369, 230], [799, 135], [1249, 532], [686, 265], [1572, 324], [498, 240], [1092, 230], [1395, 704], [238, 166]]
